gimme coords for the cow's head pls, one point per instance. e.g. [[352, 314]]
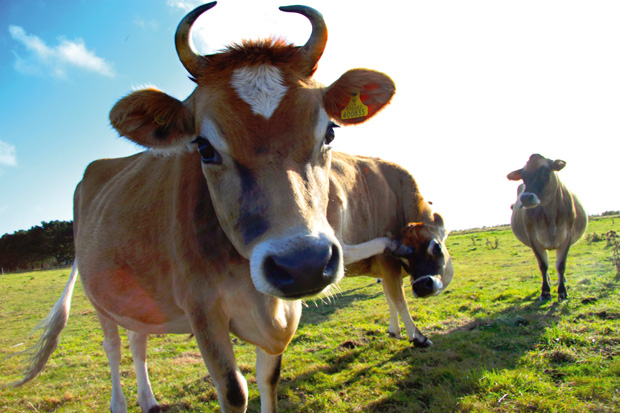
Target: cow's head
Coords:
[[429, 265], [261, 127], [540, 179]]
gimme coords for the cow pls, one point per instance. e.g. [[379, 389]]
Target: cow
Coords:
[[369, 198], [221, 225], [547, 216]]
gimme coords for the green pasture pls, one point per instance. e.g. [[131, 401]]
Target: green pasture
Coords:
[[497, 348]]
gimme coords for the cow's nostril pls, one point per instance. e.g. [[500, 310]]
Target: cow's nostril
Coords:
[[430, 284], [425, 286], [333, 265], [276, 273]]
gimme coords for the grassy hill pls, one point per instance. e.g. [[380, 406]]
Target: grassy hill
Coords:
[[497, 348]]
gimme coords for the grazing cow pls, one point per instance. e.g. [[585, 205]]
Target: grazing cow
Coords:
[[369, 198], [163, 241], [547, 216]]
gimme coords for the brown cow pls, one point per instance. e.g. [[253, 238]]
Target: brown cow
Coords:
[[547, 216], [369, 198], [163, 241]]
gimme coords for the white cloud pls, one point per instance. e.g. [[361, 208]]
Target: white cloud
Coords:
[[8, 155], [185, 5], [56, 59], [146, 24]]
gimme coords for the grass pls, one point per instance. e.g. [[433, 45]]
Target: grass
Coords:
[[497, 348]]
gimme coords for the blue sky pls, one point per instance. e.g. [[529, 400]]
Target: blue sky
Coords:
[[481, 85]]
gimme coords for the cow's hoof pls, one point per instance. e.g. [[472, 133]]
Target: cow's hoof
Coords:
[[424, 343], [393, 335], [562, 297], [545, 297], [155, 409]]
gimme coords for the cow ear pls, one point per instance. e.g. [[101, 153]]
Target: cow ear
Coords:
[[151, 118], [558, 165], [515, 175], [438, 219], [358, 95]]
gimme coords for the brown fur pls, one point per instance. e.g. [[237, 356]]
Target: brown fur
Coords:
[[374, 93], [153, 115], [415, 234], [163, 242], [272, 51], [370, 198], [555, 223]]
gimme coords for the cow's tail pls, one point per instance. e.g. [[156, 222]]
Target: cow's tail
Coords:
[[51, 328]]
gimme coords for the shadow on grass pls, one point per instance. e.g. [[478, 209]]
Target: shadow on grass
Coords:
[[433, 379], [437, 377], [315, 312]]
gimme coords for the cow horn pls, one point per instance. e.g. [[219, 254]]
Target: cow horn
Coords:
[[188, 55], [314, 47]]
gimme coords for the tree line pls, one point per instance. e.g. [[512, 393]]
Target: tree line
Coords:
[[42, 246], [51, 245]]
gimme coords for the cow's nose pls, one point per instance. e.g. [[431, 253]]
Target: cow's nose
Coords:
[[425, 286], [529, 199], [303, 272]]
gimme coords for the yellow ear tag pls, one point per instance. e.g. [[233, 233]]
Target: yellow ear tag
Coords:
[[355, 108]]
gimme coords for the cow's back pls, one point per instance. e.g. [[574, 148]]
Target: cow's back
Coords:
[[370, 198], [581, 220], [120, 202]]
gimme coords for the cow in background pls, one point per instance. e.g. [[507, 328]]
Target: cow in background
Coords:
[[226, 230], [369, 198], [547, 216]]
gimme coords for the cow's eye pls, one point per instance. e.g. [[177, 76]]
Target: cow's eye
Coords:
[[207, 152], [330, 134], [437, 249]]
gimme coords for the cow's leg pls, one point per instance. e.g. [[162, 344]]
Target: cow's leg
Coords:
[[267, 377], [560, 266], [394, 328], [112, 347], [543, 265], [213, 338], [393, 288], [146, 399]]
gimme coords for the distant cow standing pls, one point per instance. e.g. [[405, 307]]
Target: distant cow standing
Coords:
[[547, 216]]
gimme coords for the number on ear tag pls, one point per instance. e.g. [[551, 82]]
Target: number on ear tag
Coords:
[[355, 108]]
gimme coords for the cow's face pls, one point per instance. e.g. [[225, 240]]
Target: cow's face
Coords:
[[540, 180], [261, 129], [429, 266]]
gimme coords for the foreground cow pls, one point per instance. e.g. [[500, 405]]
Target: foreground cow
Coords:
[[369, 198], [163, 241], [547, 216]]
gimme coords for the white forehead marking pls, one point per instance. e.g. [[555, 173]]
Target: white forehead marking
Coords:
[[211, 132], [260, 87]]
